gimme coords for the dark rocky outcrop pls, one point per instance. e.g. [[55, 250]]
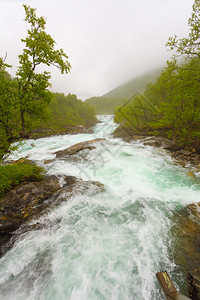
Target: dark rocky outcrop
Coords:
[[26, 201], [193, 279], [187, 246], [187, 156], [30, 199], [78, 147]]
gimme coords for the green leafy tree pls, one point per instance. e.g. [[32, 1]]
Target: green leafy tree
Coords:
[[33, 93], [190, 46], [171, 106], [8, 109]]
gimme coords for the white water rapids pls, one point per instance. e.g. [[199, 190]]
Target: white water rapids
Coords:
[[100, 245]]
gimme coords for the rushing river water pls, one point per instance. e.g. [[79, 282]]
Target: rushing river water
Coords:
[[101, 245]]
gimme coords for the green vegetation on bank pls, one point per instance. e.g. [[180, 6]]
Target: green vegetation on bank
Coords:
[[25, 101], [13, 174], [65, 114], [107, 104], [68, 110], [170, 107]]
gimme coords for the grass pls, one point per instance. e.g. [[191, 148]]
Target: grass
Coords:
[[15, 173]]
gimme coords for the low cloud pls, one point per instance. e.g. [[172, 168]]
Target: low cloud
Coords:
[[108, 41]]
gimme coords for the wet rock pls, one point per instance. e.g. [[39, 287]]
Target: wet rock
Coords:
[[185, 152], [26, 201], [99, 185], [153, 143], [78, 147], [181, 162], [194, 209], [186, 248], [191, 174], [193, 279], [30, 199], [48, 161]]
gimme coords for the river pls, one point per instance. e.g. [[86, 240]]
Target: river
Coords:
[[101, 244]]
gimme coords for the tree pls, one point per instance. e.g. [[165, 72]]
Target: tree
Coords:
[[189, 46], [8, 109], [186, 99], [33, 93]]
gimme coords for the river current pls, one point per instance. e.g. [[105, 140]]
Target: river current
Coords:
[[101, 245]]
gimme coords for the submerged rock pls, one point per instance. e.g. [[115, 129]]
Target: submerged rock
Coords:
[[78, 147]]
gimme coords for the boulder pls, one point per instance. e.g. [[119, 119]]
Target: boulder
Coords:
[[193, 279], [186, 248], [26, 201], [194, 209], [186, 152], [78, 147]]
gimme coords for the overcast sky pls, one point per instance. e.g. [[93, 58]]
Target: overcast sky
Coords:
[[108, 41]]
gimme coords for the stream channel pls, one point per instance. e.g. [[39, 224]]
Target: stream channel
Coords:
[[101, 244]]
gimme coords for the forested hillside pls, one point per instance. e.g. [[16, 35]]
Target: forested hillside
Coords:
[[107, 104], [136, 85], [65, 114]]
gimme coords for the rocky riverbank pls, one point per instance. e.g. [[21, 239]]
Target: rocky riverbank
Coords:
[[31, 199], [185, 156], [186, 249], [27, 201]]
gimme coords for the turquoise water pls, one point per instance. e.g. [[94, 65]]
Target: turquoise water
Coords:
[[101, 244]]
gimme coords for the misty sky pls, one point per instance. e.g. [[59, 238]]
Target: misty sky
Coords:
[[108, 41]]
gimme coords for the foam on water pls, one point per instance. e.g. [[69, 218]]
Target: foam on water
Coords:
[[101, 245]]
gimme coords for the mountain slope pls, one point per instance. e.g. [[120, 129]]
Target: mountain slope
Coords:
[[127, 90], [118, 96]]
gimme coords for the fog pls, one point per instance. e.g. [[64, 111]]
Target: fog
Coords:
[[108, 41]]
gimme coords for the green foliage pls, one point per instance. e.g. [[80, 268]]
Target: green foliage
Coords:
[[24, 100], [33, 93], [8, 119], [171, 106], [65, 111], [190, 46], [13, 174]]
